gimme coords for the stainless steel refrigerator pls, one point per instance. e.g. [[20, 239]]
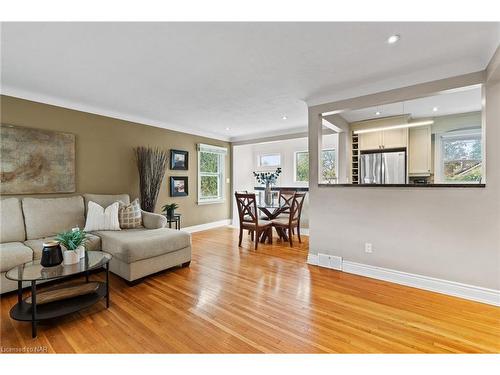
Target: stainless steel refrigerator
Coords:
[[383, 167]]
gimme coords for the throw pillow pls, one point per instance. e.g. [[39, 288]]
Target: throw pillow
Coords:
[[99, 218], [130, 215]]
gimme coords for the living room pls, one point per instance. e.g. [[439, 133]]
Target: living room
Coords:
[[244, 190]]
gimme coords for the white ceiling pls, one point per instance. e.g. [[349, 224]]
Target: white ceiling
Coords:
[[205, 77], [463, 101]]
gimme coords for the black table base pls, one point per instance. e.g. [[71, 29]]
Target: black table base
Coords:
[[31, 312], [176, 219]]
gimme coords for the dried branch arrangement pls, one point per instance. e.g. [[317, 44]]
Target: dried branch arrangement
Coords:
[[151, 164]]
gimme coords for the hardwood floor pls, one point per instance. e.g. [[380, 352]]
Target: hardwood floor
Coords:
[[237, 300]]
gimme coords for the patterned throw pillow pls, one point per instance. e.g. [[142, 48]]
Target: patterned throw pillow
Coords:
[[130, 216]]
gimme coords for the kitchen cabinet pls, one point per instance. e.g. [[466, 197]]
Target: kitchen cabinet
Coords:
[[370, 141], [391, 138], [419, 151], [395, 138]]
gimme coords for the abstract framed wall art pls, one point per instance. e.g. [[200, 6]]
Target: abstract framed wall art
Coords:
[[35, 161]]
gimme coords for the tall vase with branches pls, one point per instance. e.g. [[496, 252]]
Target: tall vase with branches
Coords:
[[151, 164], [268, 179]]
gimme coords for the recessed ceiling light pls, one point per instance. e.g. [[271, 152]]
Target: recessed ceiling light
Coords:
[[435, 109], [284, 118], [393, 38], [228, 128], [377, 113]]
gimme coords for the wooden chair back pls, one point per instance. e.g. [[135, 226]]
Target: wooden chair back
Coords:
[[285, 199], [247, 208], [296, 207]]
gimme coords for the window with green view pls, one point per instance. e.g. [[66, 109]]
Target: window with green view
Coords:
[[210, 175], [460, 157], [327, 170]]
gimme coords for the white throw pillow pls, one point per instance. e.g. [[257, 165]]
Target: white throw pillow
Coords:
[[99, 218]]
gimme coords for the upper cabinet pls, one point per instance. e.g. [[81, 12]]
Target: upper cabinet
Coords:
[[393, 138], [370, 141], [419, 151]]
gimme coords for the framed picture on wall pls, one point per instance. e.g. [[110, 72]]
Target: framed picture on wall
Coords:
[[178, 186], [179, 160]]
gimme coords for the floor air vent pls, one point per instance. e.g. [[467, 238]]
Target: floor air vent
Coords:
[[330, 261]]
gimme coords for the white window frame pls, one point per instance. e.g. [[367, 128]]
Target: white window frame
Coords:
[[438, 154], [295, 165], [221, 152], [320, 164], [259, 157]]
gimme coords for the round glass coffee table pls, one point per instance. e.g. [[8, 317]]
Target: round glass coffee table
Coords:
[[58, 301]]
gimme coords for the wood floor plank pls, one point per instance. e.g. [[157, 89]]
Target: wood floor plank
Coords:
[[240, 300]]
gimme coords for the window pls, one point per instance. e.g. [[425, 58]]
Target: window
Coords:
[[211, 161], [269, 160], [302, 166], [459, 157], [327, 169]]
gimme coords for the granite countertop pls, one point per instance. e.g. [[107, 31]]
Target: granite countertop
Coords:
[[407, 185]]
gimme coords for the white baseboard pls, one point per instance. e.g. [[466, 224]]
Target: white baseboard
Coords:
[[452, 288], [304, 231], [200, 227]]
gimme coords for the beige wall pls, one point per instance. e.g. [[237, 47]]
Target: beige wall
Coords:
[[451, 234], [105, 160]]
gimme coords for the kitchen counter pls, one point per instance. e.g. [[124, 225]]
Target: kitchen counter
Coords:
[[407, 185]]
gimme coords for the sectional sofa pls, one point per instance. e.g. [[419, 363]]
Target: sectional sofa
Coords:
[[26, 223]]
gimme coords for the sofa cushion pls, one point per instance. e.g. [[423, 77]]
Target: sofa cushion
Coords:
[[153, 221], [11, 221], [131, 245], [104, 200], [130, 215], [93, 243], [102, 218], [13, 254], [47, 217]]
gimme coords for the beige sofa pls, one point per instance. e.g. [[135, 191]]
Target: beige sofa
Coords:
[[26, 223]]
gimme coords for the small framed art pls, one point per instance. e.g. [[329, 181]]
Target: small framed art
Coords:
[[178, 186], [179, 160]]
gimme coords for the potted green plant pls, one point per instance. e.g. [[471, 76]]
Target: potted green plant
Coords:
[[74, 242], [169, 209]]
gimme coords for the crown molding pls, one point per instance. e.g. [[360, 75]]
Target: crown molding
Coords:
[[277, 135], [82, 107]]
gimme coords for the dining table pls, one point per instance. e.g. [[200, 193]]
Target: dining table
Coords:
[[272, 211]]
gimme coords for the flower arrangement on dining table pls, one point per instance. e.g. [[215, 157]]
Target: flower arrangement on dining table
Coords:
[[268, 179]]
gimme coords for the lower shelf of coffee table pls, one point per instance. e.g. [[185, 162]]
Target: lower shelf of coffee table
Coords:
[[23, 311]]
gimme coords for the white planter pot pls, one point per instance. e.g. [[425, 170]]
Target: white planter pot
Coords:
[[70, 257], [81, 252]]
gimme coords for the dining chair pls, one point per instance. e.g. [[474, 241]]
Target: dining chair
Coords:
[[250, 232], [285, 199], [249, 219], [293, 219]]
